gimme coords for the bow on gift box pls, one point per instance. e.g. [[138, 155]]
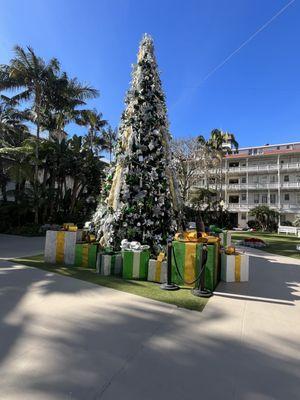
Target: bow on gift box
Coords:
[[133, 246], [192, 236]]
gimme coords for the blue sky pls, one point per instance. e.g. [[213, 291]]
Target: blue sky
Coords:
[[255, 95]]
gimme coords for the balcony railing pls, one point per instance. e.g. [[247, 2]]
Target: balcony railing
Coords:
[[264, 186], [249, 206], [261, 168]]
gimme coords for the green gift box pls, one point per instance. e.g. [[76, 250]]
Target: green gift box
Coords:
[[109, 263], [187, 256], [212, 266], [189, 261], [135, 264], [86, 255]]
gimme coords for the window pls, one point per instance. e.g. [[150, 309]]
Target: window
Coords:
[[298, 199], [286, 178], [243, 216], [243, 197], [233, 164], [264, 198], [273, 178], [286, 197], [288, 146], [272, 198], [256, 198], [255, 179], [233, 181], [244, 179], [234, 199], [278, 147], [264, 179]]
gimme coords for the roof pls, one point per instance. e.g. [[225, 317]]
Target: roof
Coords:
[[264, 153], [268, 145]]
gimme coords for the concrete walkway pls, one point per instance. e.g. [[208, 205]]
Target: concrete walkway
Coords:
[[12, 246], [62, 338]]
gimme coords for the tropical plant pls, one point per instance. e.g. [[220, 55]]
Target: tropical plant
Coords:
[[94, 121], [220, 143], [265, 217], [110, 136]]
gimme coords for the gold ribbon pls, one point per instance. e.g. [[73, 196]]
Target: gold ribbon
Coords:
[[159, 261], [189, 261], [85, 255], [60, 247], [237, 268]]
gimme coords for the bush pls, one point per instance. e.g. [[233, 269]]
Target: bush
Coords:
[[252, 224], [297, 222], [287, 223]]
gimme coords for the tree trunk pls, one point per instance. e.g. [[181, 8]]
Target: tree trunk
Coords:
[[36, 167]]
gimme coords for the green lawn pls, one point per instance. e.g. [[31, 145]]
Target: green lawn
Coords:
[[180, 298], [284, 245]]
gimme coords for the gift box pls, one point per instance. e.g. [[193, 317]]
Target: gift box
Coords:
[[86, 255], [212, 267], [157, 270], [109, 263], [235, 267], [225, 237], [60, 246], [187, 256], [135, 264]]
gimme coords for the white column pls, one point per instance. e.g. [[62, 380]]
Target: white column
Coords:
[[247, 180], [278, 183], [226, 183]]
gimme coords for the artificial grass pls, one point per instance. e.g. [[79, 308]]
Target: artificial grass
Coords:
[[283, 245], [180, 298]]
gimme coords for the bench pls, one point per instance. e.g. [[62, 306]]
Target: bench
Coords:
[[289, 230]]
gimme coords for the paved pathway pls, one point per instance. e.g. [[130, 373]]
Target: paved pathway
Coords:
[[17, 246], [62, 338]]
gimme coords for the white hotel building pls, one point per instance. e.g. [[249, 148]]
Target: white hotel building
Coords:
[[264, 175]]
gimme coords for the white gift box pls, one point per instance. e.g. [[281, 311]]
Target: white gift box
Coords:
[[60, 246], [157, 271], [109, 264], [225, 238], [235, 267]]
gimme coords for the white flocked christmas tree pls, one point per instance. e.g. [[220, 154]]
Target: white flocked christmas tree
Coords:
[[139, 200]]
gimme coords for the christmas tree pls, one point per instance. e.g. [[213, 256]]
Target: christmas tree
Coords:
[[139, 200]]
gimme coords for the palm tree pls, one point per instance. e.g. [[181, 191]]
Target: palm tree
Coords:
[[220, 143], [110, 137], [29, 73], [64, 95], [12, 133], [95, 123]]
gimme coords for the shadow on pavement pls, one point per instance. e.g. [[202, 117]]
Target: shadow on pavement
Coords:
[[62, 338]]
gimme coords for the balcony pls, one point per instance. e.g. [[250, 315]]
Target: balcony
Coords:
[[240, 207], [265, 168], [261, 186]]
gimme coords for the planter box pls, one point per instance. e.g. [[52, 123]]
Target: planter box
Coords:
[[157, 271], [135, 264], [109, 264], [60, 246], [86, 255], [235, 267]]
